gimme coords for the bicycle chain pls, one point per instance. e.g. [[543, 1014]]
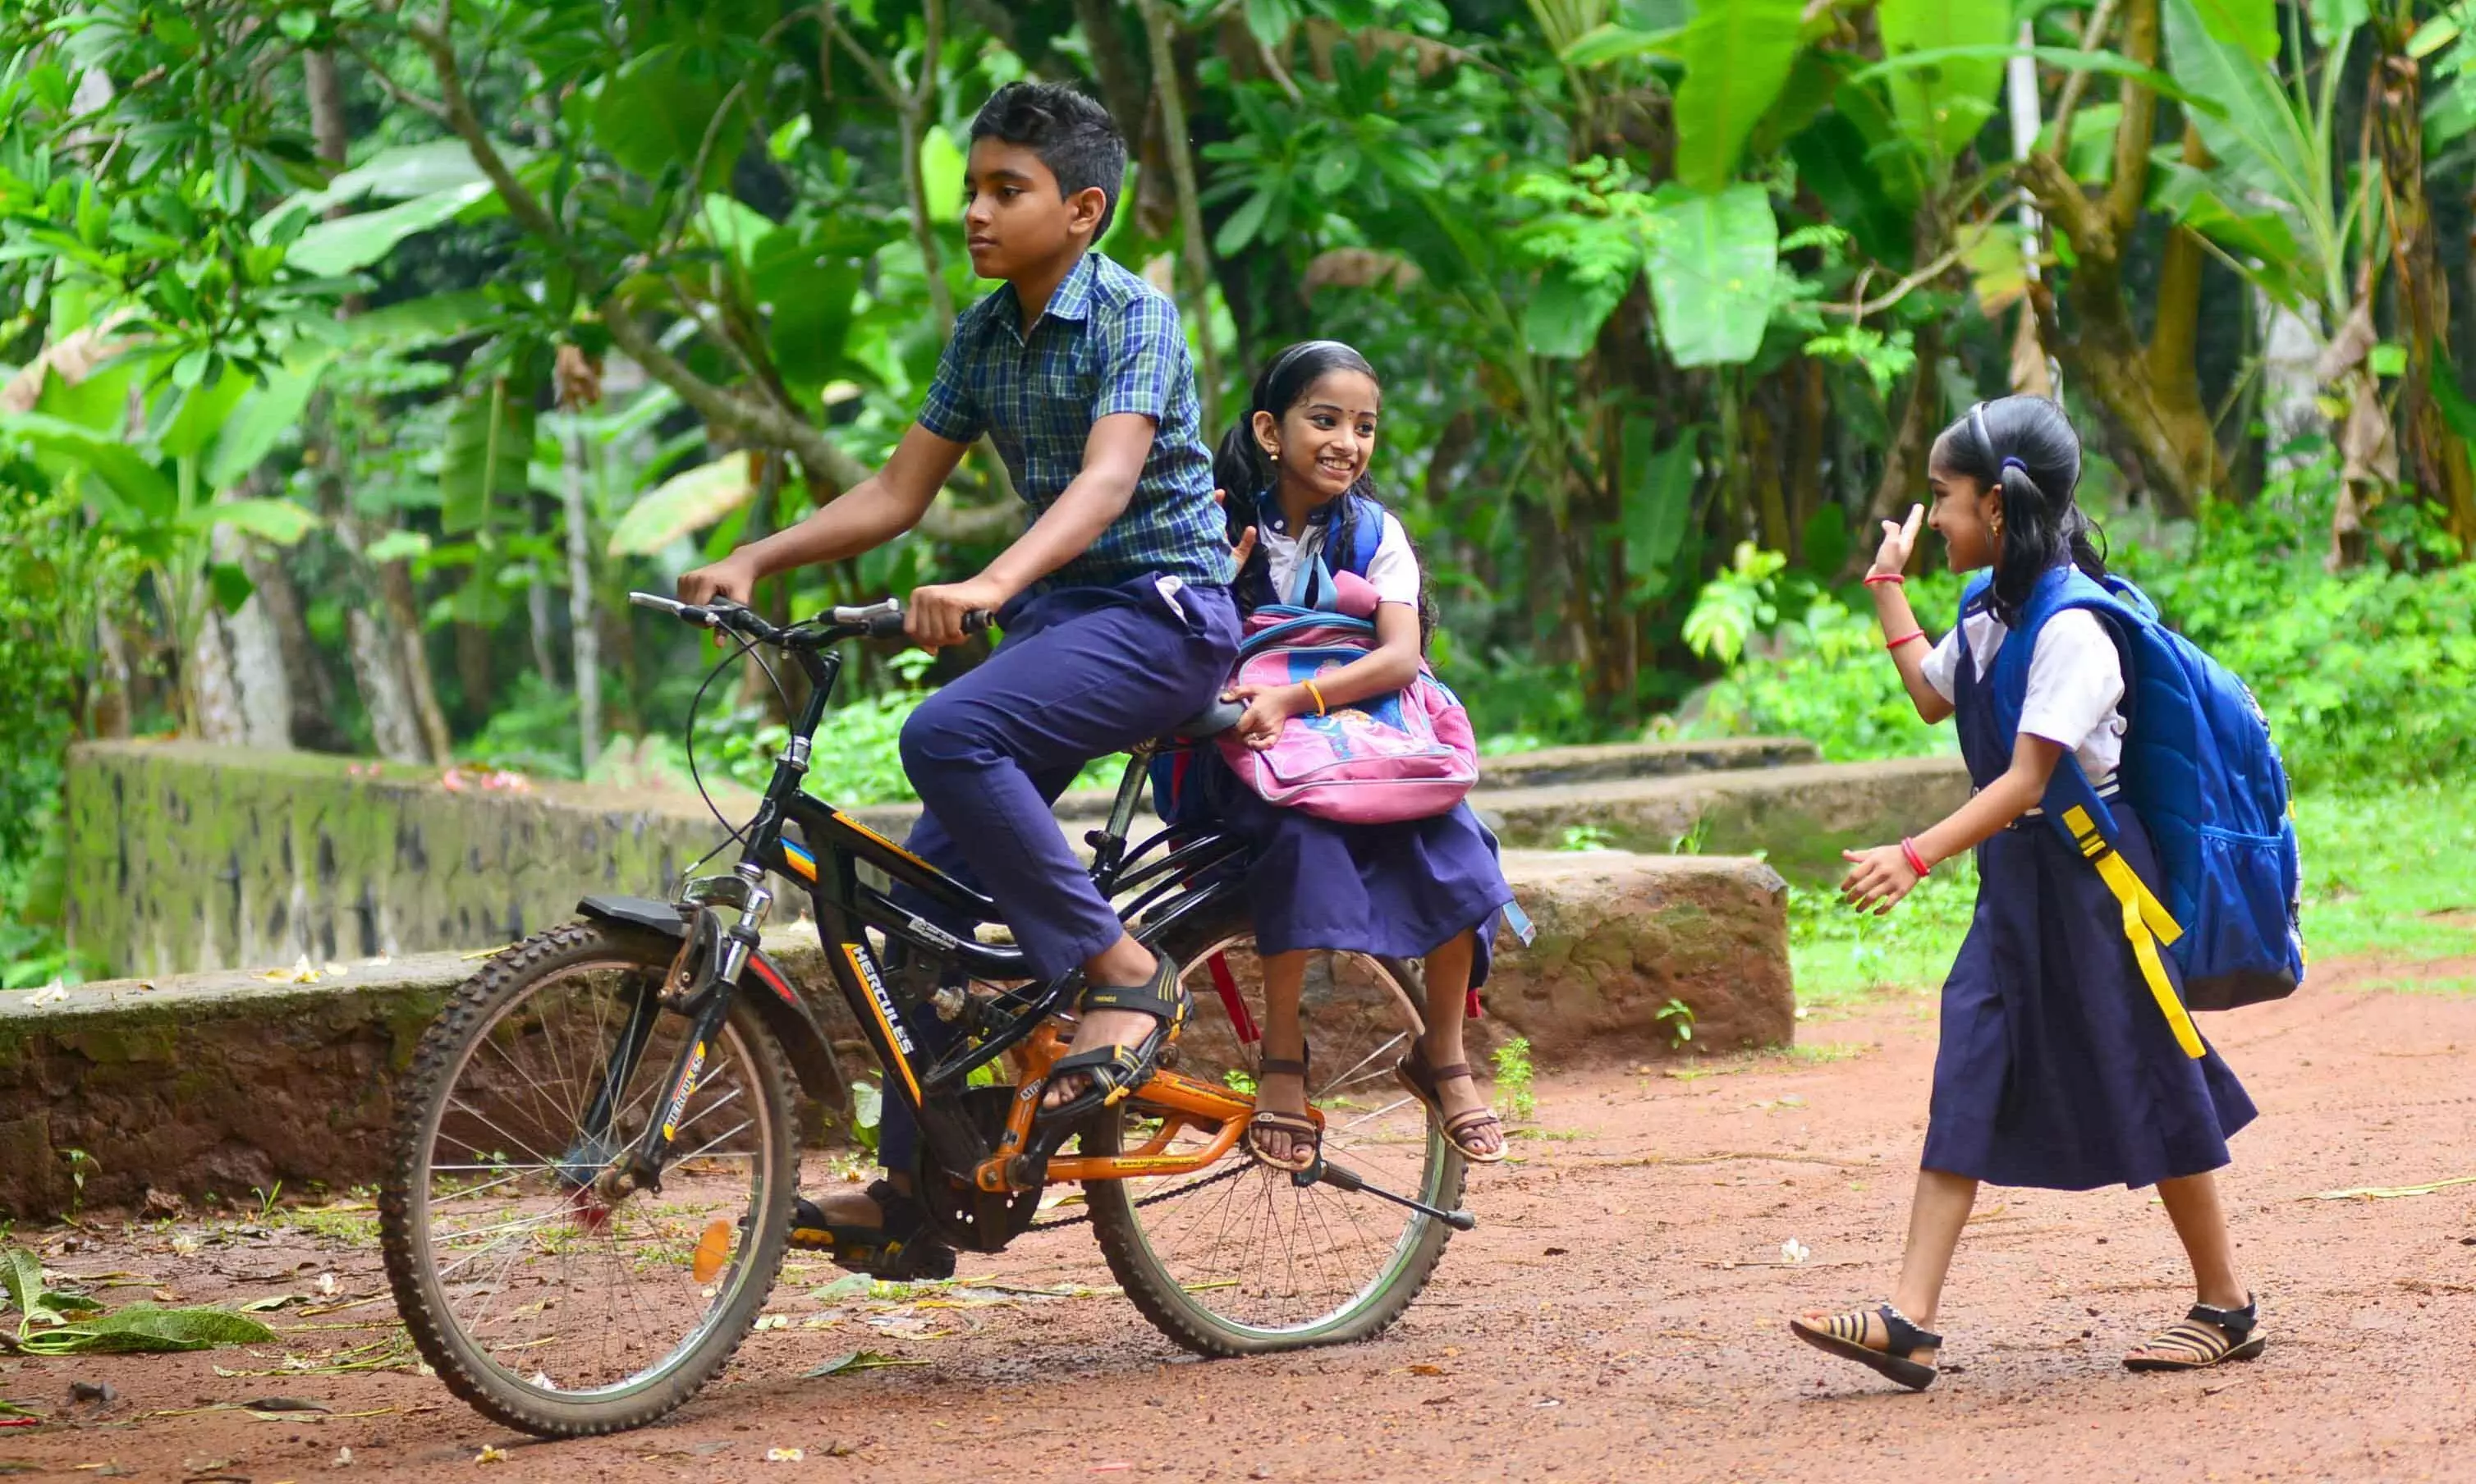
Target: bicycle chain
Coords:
[[1236, 1168]]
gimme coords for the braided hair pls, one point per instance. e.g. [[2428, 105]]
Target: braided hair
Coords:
[[2025, 447]]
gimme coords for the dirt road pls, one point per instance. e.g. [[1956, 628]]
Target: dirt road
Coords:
[[1617, 1316]]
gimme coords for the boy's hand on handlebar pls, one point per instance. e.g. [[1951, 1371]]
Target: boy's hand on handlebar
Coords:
[[1892, 558], [734, 578], [934, 617], [1267, 707], [1877, 878]]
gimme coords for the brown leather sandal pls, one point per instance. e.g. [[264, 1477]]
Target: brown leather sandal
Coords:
[[1420, 1080], [1306, 1135]]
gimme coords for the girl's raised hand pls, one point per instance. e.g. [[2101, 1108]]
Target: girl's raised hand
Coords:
[[1877, 878], [1892, 558]]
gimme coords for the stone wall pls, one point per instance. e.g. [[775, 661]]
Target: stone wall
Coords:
[[185, 857], [221, 1082]]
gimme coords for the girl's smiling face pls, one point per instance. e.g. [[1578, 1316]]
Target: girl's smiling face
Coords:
[[1967, 514], [1322, 443]]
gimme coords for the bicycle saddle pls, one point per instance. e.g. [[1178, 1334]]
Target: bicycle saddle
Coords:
[[1211, 721]]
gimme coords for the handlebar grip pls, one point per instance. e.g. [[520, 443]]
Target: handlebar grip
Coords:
[[889, 625]]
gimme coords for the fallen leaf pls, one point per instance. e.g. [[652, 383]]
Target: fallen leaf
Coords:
[[1423, 1368], [862, 1360], [285, 1404]]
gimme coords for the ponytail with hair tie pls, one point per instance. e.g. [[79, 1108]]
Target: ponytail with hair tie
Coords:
[[2025, 447]]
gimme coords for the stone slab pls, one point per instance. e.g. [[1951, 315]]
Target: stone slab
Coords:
[[219, 1083], [1799, 818]]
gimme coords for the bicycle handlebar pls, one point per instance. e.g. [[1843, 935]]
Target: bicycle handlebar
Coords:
[[875, 621]]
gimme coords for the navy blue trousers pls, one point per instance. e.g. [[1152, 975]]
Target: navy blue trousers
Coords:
[[1083, 672]]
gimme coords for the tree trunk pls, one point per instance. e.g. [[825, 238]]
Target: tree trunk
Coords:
[[2434, 454], [537, 619], [1195, 261], [377, 664], [389, 667], [207, 675], [259, 682], [583, 635], [312, 690], [2290, 406], [108, 698]]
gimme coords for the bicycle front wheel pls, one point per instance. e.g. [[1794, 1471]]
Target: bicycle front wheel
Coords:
[[1240, 1259], [544, 1305]]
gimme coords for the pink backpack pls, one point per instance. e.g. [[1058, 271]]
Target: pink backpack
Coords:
[[1407, 756]]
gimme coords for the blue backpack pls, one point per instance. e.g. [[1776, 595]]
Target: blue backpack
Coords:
[[2200, 767], [1172, 798]]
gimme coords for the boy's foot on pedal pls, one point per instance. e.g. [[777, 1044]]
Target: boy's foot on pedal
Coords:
[[875, 1229], [1139, 971]]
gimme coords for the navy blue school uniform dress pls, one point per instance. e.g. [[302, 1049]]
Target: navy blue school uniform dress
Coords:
[[1398, 890], [2056, 1068]]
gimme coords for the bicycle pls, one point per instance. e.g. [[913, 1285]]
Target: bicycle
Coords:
[[595, 1153]]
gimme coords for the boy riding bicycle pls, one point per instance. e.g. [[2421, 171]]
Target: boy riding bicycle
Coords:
[[1118, 620]]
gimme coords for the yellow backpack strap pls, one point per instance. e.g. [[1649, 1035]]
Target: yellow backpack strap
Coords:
[[2146, 924]]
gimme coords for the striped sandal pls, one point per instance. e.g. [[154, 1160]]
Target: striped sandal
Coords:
[[1845, 1335], [2203, 1338], [1305, 1134], [1421, 1080]]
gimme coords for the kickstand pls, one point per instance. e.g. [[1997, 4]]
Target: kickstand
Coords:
[[1342, 1177]]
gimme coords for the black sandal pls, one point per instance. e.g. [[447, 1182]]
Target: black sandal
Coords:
[[900, 1249], [1844, 1335], [1420, 1080], [1114, 1072], [2203, 1338], [1298, 1125]]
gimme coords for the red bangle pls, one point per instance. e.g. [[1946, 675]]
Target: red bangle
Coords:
[[1914, 634], [1879, 578], [1909, 853]]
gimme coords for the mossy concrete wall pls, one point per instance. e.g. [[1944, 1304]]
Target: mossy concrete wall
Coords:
[[215, 1083], [185, 857]]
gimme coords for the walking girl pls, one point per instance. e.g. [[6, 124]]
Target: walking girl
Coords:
[[1296, 472], [2066, 1060]]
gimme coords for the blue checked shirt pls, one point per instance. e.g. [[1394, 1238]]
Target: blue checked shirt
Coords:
[[1110, 342]]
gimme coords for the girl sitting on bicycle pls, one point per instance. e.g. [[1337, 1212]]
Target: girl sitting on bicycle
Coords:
[[1295, 469]]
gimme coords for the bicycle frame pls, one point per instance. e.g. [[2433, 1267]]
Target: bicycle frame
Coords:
[[1190, 874]]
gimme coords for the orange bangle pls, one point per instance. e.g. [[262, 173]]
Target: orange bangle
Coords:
[[1314, 695], [1914, 634]]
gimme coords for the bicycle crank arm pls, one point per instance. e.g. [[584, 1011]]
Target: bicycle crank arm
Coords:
[[1343, 1178]]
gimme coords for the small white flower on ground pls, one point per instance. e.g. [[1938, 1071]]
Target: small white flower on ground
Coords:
[[1796, 1252]]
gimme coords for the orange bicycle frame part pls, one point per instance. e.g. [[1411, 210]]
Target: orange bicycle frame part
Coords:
[[1181, 1102]]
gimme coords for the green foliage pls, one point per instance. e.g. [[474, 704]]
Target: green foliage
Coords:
[[57, 1322], [1513, 1075]]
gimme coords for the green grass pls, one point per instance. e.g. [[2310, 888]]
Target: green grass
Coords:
[[2390, 872]]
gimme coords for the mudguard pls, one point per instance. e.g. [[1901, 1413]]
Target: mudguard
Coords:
[[784, 1012]]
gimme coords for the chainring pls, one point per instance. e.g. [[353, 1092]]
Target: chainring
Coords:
[[972, 1219]]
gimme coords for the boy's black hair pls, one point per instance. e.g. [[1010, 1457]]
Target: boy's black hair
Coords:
[[2025, 447], [1071, 133]]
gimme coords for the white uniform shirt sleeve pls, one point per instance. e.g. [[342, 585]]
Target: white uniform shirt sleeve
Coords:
[[1943, 666], [2075, 680], [1394, 570]]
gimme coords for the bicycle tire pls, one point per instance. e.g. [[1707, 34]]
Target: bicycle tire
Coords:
[[1120, 1223], [462, 1365]]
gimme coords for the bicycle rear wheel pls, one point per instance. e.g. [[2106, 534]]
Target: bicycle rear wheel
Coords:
[[1239, 1259], [536, 1302]]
